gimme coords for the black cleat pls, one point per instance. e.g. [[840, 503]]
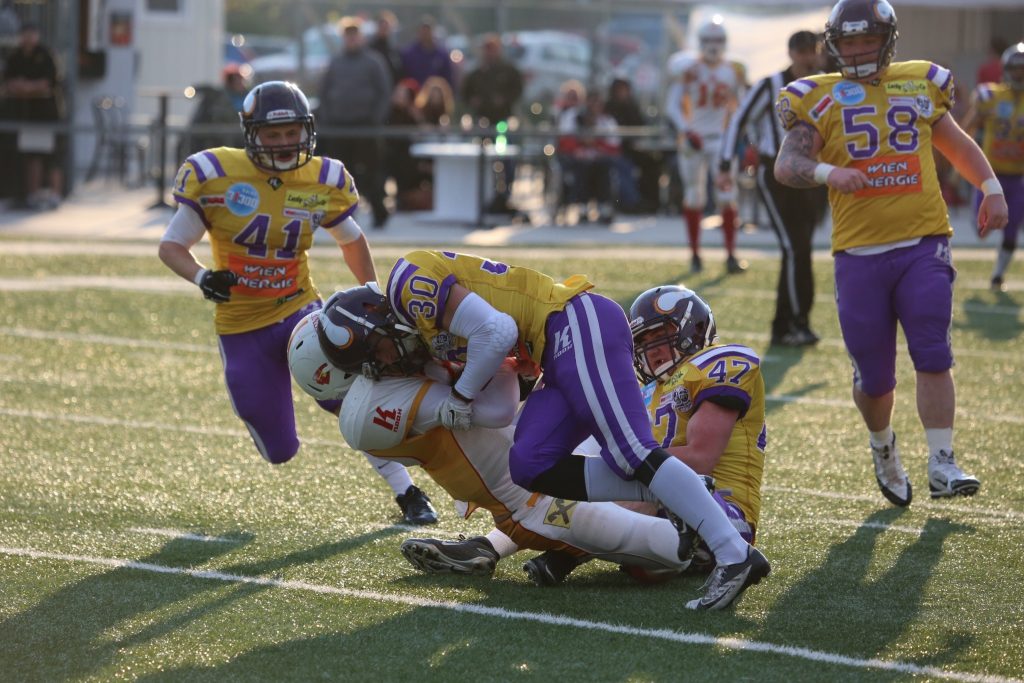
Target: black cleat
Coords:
[[472, 556], [551, 567], [734, 266], [416, 507]]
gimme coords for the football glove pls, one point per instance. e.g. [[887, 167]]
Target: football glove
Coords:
[[455, 412], [216, 285]]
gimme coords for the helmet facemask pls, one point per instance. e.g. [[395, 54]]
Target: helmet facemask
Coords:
[[266, 156]]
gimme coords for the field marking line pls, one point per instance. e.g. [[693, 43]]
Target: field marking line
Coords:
[[183, 535], [738, 644], [928, 504], [238, 433], [52, 335], [137, 424], [211, 348]]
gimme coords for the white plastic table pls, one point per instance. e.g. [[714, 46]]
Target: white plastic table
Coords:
[[460, 190]]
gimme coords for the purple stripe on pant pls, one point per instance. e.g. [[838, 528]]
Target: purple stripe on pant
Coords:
[[260, 386], [912, 286], [590, 387], [1013, 192]]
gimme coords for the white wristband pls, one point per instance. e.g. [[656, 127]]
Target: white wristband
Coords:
[[199, 276], [821, 172], [991, 186]]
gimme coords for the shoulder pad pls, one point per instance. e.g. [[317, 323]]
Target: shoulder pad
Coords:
[[377, 415], [707, 356], [207, 165], [801, 86], [939, 75]]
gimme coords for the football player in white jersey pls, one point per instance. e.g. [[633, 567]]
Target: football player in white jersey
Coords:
[[397, 419], [699, 102]]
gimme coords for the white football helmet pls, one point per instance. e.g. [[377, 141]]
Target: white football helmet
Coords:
[[310, 367], [711, 39]]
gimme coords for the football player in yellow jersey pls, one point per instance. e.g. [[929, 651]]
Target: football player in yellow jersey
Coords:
[[867, 132], [469, 309], [705, 399], [260, 206], [998, 110]]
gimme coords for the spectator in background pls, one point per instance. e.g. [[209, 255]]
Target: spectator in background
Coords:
[[588, 149], [30, 83], [219, 106], [382, 43], [491, 92], [570, 95], [412, 176], [435, 102], [636, 196], [356, 93], [991, 70], [425, 58]]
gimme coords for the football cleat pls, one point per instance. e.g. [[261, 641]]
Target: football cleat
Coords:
[[472, 556], [728, 581], [696, 265], [416, 507], [997, 284], [891, 477], [551, 567], [734, 266], [945, 479]]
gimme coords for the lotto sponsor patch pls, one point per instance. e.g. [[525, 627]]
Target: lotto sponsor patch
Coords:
[[890, 174], [910, 87], [264, 277], [308, 201]]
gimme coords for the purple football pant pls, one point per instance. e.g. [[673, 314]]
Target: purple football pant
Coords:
[[1013, 191], [912, 285], [260, 386], [590, 387]]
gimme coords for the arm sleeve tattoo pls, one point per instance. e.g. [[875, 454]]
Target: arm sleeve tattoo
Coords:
[[795, 166]]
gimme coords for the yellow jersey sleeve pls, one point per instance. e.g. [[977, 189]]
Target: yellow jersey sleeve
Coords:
[[342, 198]]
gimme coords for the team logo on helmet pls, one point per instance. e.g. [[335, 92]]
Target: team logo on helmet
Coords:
[[667, 302], [322, 375]]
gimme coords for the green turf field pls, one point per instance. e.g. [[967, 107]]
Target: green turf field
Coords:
[[142, 536]]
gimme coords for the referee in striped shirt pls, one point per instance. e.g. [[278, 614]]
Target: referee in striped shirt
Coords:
[[791, 212]]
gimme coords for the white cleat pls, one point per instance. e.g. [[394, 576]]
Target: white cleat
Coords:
[[945, 479], [892, 478]]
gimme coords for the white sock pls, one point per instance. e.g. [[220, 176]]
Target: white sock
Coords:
[[394, 473], [503, 545], [939, 440], [882, 438], [684, 493], [1002, 262]]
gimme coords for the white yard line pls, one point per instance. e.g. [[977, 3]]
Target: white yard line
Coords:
[[138, 424], [183, 535], [738, 644], [926, 503], [53, 335], [238, 433]]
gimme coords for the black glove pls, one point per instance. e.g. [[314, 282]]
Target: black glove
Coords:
[[216, 285]]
